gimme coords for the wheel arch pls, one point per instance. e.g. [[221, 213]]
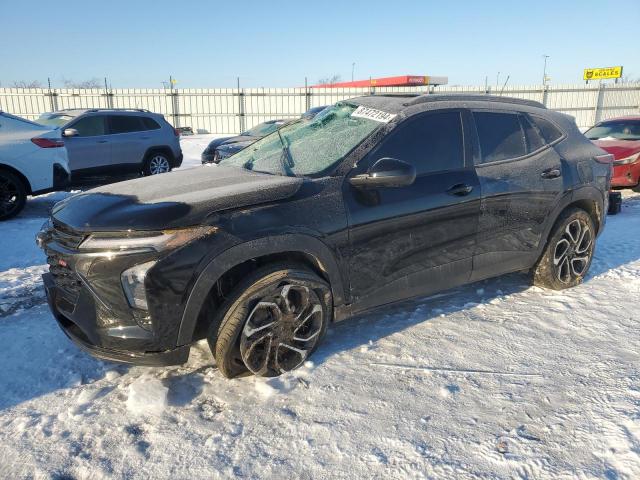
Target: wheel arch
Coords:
[[237, 260], [165, 149], [19, 174]]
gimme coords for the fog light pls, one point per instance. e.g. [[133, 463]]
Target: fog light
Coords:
[[133, 285]]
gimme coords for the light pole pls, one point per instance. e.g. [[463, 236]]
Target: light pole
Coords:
[[353, 67], [544, 71]]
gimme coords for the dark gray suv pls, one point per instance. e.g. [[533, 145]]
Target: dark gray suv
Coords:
[[107, 143]]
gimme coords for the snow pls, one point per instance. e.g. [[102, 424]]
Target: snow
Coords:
[[497, 379]]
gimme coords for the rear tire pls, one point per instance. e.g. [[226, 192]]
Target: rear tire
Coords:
[[271, 323], [568, 254], [156, 163], [13, 195]]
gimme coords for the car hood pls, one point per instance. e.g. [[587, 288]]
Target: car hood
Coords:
[[171, 200], [619, 148]]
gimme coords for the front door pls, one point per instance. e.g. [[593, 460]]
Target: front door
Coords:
[[90, 151], [521, 179], [418, 239]]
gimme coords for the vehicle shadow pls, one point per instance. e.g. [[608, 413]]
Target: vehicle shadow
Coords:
[[369, 327]]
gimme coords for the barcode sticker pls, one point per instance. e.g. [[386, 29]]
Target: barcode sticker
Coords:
[[373, 114]]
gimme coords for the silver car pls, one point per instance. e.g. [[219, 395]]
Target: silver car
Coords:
[[108, 143]]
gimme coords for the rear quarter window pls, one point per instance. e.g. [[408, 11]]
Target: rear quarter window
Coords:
[[150, 124], [548, 130]]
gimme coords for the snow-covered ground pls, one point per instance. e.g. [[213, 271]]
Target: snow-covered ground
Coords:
[[494, 380]]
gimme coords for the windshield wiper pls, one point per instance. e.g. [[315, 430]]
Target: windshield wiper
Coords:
[[288, 164]]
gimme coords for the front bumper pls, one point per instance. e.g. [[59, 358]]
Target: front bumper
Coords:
[[77, 321]]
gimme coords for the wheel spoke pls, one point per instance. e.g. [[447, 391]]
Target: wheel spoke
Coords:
[[582, 262], [295, 299], [299, 332], [585, 241], [562, 247], [564, 270], [573, 231], [292, 358], [256, 355], [263, 316]]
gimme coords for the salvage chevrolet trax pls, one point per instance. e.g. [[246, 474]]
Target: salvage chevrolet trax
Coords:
[[375, 200]]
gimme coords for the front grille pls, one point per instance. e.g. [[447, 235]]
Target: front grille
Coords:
[[65, 279], [65, 236]]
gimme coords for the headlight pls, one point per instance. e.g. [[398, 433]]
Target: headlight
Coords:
[[628, 160], [133, 285], [137, 242]]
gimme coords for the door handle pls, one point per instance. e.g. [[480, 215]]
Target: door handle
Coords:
[[102, 141], [551, 173], [460, 190]]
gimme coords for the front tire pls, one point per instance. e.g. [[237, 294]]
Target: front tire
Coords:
[[273, 321], [156, 163], [13, 195], [569, 252]]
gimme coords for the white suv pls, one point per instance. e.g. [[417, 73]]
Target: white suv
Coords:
[[33, 160]]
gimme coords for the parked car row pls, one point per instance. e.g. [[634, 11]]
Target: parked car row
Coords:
[[375, 200], [222, 148]]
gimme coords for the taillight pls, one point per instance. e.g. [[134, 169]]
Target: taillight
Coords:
[[48, 142], [606, 158], [176, 132]]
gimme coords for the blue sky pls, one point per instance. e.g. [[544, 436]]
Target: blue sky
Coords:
[[278, 43]]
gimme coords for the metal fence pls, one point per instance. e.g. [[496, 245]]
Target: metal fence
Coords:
[[232, 110]]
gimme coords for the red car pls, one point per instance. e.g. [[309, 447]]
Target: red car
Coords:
[[621, 138]]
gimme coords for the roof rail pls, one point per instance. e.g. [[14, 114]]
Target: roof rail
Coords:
[[448, 97], [104, 110]]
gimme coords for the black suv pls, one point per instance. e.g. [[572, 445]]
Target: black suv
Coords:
[[375, 200]]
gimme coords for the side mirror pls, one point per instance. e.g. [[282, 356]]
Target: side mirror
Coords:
[[70, 132], [386, 172]]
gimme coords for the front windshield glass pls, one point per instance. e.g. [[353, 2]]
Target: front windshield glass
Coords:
[[618, 130], [262, 129], [307, 147], [54, 120]]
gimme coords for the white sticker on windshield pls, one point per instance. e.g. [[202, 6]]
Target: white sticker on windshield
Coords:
[[373, 114]]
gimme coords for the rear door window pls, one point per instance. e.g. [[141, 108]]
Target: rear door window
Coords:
[[90, 126], [500, 135], [125, 124], [431, 142]]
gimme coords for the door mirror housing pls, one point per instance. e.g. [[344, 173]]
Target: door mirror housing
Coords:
[[386, 172], [70, 132]]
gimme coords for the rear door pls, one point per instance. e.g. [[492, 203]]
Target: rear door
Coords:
[[129, 137], [414, 240], [520, 176], [90, 151]]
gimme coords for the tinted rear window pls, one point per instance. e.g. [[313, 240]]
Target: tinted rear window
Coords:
[[126, 123], [500, 136]]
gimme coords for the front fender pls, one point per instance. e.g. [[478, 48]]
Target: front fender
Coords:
[[243, 252]]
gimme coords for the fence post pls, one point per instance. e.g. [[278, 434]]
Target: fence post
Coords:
[[307, 95], [545, 94], [599, 103], [241, 107], [53, 97]]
